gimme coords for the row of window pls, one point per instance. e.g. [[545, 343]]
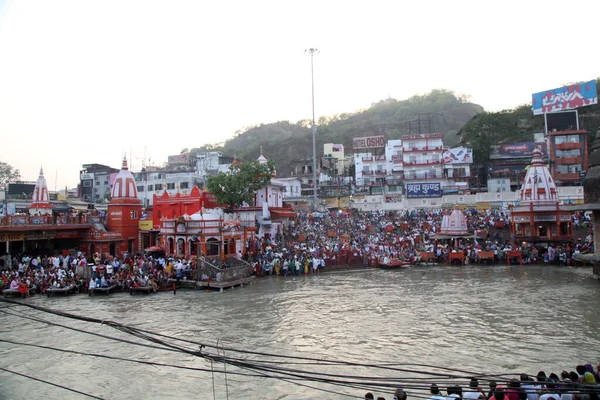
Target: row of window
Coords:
[[568, 153], [159, 187]]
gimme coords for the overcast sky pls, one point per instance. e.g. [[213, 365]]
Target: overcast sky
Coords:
[[87, 81]]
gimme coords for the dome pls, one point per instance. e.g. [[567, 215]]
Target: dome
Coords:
[[124, 186], [538, 185], [454, 224]]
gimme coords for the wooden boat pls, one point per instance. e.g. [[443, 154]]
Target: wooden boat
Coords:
[[103, 290], [394, 263], [141, 289], [62, 290]]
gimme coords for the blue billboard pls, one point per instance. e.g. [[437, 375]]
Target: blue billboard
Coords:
[[420, 190], [565, 98]]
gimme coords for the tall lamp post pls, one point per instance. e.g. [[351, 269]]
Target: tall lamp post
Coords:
[[312, 53]]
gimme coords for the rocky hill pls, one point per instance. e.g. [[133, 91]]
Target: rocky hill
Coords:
[[283, 141]]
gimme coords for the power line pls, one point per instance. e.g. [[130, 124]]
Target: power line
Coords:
[[51, 383]]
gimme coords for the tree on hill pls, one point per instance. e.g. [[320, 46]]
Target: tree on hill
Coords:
[[239, 185]]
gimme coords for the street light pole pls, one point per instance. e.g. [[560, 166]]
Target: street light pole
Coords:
[[312, 53]]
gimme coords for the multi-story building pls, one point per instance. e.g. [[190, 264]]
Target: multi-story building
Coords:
[[173, 182], [95, 182], [422, 157], [211, 163], [568, 155]]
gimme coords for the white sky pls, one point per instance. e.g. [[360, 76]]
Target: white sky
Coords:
[[86, 81]]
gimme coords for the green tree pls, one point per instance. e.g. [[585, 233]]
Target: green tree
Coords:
[[8, 174], [238, 185]]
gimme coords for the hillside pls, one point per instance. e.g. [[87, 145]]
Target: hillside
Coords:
[[283, 141]]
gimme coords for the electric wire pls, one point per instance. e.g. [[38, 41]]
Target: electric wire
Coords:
[[50, 383], [265, 367]]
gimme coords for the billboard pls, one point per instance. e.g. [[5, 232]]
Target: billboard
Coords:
[[565, 98], [418, 136], [368, 142], [458, 155], [516, 150], [420, 190]]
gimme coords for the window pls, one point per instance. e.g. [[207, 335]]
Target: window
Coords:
[[140, 188], [87, 183], [413, 159], [134, 214], [158, 187], [170, 186], [106, 182], [183, 185], [150, 188], [568, 153]]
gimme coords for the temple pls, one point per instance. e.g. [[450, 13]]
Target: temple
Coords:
[[40, 205], [539, 217], [454, 224]]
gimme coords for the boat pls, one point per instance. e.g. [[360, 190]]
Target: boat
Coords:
[[394, 263]]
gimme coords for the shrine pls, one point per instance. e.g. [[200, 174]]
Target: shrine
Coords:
[[539, 217], [40, 205], [454, 224]]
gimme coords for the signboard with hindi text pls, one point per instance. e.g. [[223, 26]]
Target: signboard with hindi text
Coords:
[[11, 237], [421, 190], [565, 98]]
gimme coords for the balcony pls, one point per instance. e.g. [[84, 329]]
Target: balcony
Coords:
[[569, 160], [422, 148], [422, 177], [568, 146], [382, 172], [567, 177], [422, 162], [367, 159], [367, 173], [379, 158]]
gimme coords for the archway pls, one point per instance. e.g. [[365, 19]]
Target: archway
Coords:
[[180, 247], [112, 249], [92, 249], [212, 247], [170, 247]]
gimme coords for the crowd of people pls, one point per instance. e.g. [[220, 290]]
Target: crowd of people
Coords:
[[313, 241], [579, 384]]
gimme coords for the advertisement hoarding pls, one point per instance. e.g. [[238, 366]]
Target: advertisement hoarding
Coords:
[[516, 150], [418, 136], [565, 98], [368, 142], [421, 190], [458, 155]]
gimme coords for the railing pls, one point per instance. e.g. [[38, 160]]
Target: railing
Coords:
[[424, 148], [409, 177], [215, 270], [424, 162], [568, 146], [367, 159], [568, 160], [18, 220]]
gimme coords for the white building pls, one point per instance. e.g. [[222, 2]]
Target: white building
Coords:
[[149, 183], [291, 187], [211, 163], [422, 157]]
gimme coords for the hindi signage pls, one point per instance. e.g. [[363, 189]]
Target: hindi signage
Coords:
[[565, 98], [418, 136], [420, 190], [516, 150], [11, 237]]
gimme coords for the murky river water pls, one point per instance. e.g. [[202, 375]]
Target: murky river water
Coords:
[[477, 318]]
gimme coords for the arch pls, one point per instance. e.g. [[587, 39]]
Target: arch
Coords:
[[192, 247], [230, 248], [180, 246], [92, 249], [212, 247], [170, 246], [112, 249]]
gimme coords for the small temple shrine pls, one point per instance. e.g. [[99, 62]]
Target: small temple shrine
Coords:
[[454, 224], [539, 217], [40, 205]]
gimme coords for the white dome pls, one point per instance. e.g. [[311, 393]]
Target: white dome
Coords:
[[538, 184], [124, 186]]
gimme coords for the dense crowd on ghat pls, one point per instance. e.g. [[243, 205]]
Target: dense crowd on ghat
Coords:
[[316, 240], [579, 384], [310, 243]]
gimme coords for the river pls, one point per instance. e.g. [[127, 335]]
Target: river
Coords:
[[479, 318]]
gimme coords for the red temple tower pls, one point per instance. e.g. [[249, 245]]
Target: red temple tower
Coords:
[[125, 210]]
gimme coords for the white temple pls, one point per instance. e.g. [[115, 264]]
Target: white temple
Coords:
[[538, 185], [40, 204], [454, 224]]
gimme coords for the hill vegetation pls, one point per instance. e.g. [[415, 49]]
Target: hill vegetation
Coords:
[[283, 142]]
